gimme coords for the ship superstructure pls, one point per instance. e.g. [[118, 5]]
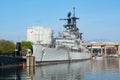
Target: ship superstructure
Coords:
[[71, 37]]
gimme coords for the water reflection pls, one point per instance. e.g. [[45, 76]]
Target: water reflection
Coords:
[[105, 64], [103, 69], [30, 72], [107, 68], [70, 71], [13, 73]]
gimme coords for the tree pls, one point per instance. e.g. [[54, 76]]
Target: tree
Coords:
[[26, 45], [6, 47]]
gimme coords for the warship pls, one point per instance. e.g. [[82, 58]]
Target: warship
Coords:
[[67, 46]]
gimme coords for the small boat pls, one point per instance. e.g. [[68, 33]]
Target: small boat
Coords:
[[98, 57]]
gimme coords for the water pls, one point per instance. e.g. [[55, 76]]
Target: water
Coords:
[[102, 69]]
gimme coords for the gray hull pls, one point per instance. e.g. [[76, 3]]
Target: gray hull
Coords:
[[53, 54]]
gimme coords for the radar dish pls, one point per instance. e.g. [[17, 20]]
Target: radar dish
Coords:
[[69, 14]]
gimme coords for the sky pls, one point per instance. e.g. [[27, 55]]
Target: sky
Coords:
[[99, 19]]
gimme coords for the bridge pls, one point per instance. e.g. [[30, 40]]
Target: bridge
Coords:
[[103, 48]]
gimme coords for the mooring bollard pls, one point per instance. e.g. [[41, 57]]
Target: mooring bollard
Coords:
[[30, 70], [30, 61]]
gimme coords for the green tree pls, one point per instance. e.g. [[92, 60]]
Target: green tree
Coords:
[[6, 47], [26, 45]]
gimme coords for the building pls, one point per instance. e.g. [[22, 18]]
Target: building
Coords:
[[40, 34]]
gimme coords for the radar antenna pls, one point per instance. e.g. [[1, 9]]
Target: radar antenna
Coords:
[[73, 11], [69, 14], [71, 21]]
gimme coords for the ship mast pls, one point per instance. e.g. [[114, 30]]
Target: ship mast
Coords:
[[71, 26], [74, 20], [71, 22]]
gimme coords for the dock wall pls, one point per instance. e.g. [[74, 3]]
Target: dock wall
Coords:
[[10, 60]]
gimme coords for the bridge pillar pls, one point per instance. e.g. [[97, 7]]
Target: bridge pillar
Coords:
[[105, 50], [91, 51], [118, 49], [101, 50]]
